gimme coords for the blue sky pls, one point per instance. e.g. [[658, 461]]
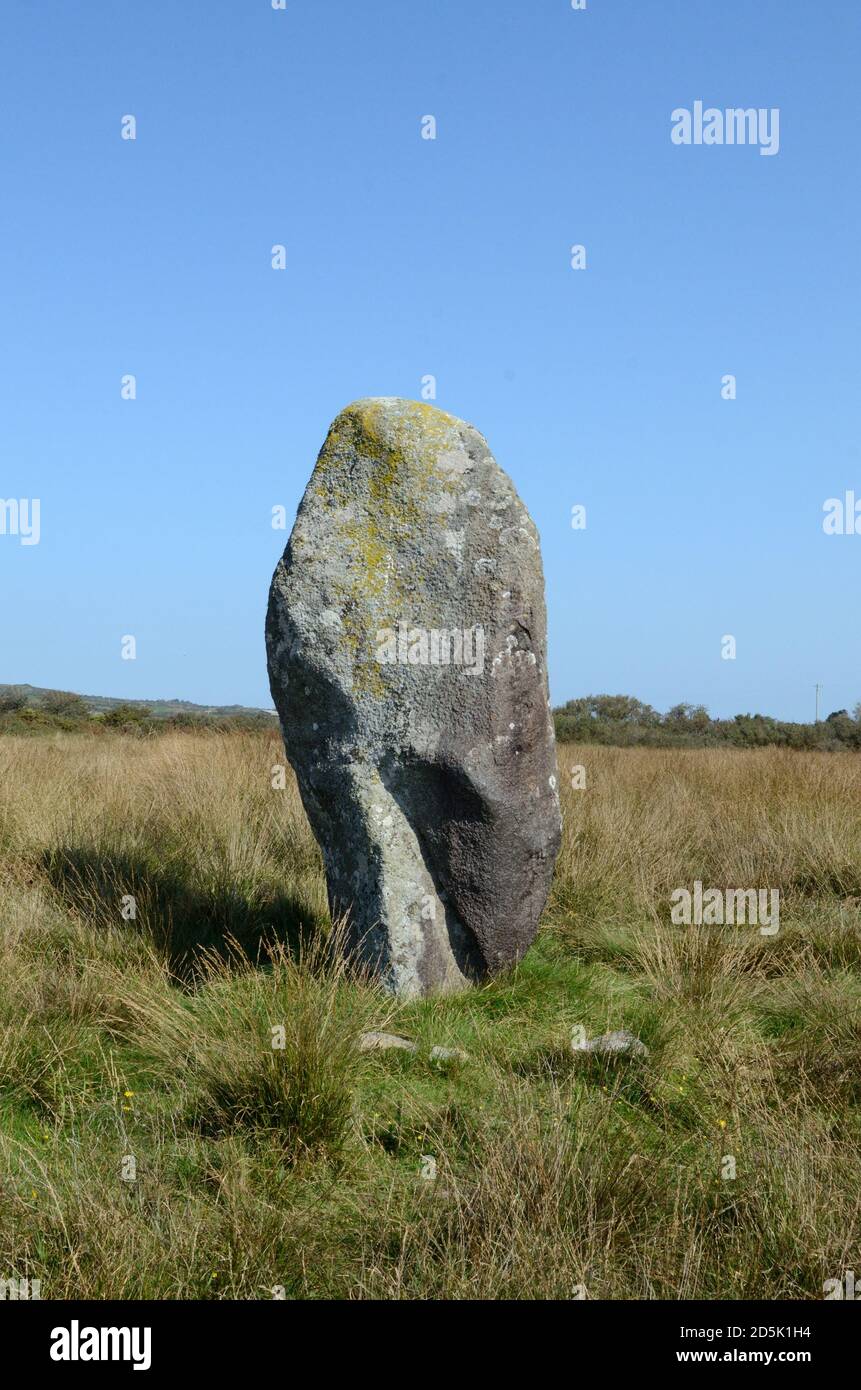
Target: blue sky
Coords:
[[450, 257]]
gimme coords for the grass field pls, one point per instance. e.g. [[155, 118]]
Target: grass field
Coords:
[[153, 1143]]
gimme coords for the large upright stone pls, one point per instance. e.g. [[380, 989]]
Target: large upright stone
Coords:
[[406, 646]]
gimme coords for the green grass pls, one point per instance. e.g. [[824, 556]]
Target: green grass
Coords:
[[307, 1167]]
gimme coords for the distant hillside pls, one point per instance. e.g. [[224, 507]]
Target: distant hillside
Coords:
[[36, 697]]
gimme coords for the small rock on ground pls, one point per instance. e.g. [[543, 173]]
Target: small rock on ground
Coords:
[[448, 1054], [372, 1042], [619, 1041]]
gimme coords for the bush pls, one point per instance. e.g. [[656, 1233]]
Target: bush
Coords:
[[65, 705], [122, 715]]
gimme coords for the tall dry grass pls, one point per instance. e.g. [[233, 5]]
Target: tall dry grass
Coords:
[[305, 1167]]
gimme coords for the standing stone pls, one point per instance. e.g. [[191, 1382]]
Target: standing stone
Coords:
[[406, 646]]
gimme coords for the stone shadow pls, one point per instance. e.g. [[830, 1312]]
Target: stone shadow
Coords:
[[180, 918]]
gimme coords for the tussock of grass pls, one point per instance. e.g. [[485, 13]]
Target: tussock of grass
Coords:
[[308, 1166], [269, 1050]]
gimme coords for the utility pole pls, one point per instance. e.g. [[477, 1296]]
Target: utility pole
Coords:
[[818, 688]]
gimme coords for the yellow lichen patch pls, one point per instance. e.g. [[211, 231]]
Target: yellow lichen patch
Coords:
[[397, 447]]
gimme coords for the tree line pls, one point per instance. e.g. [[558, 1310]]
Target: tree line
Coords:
[[620, 720], [627, 722]]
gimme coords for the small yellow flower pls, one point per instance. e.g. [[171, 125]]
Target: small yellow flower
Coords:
[[128, 1094], [722, 1124]]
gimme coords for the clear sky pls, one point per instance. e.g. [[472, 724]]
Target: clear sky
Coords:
[[407, 257]]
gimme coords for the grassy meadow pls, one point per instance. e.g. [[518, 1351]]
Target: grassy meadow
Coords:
[[154, 1144]]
